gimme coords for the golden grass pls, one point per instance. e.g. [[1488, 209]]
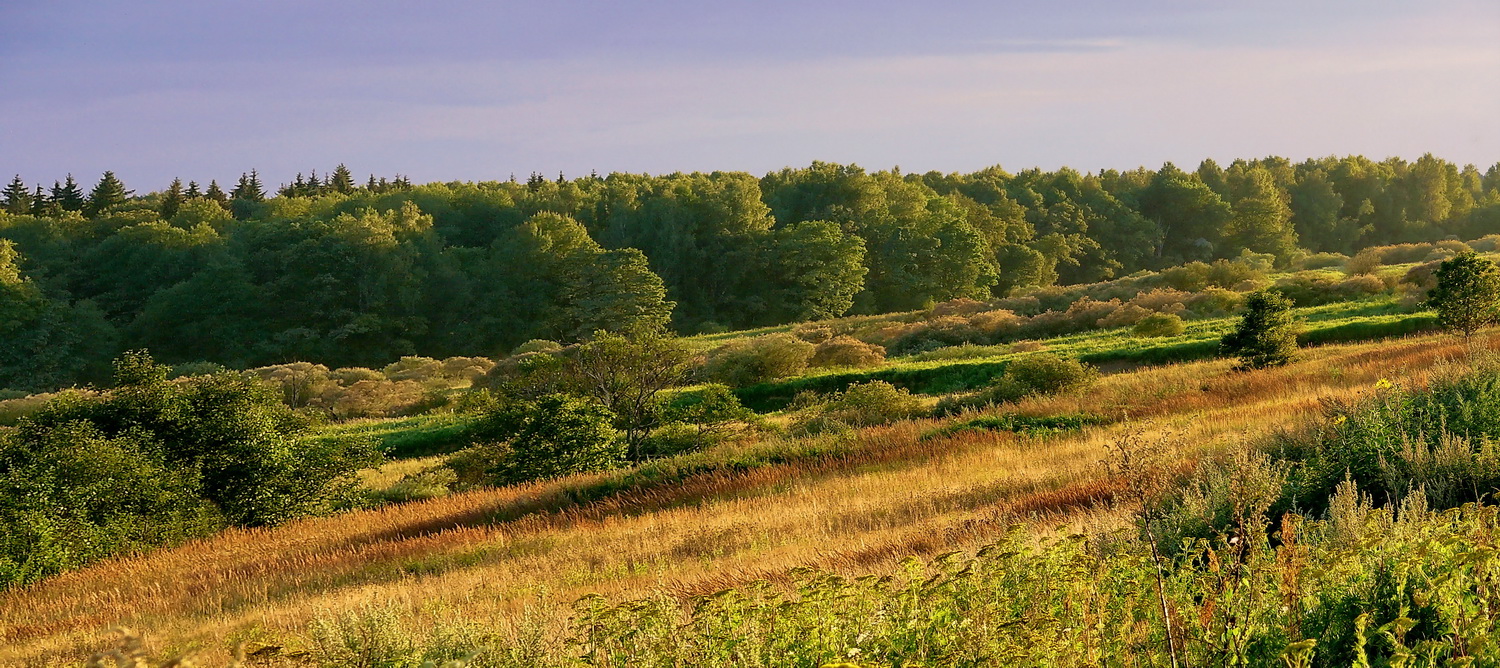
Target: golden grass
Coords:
[[896, 496]]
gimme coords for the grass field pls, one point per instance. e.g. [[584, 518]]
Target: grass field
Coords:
[[511, 560]]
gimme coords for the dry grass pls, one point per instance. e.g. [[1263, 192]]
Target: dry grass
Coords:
[[895, 496]]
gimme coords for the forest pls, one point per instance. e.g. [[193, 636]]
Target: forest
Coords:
[[327, 271]]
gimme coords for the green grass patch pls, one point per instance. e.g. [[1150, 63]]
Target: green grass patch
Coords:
[[1026, 425], [402, 438]]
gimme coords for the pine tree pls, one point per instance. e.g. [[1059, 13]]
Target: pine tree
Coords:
[[67, 195], [248, 188], [107, 193], [216, 193], [341, 181], [41, 204], [192, 190], [314, 185], [1266, 334], [371, 185], [17, 197], [172, 200]]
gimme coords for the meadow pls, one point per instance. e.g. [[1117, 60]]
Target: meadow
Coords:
[[506, 564]]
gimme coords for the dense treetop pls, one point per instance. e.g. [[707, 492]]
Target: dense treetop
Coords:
[[325, 270]]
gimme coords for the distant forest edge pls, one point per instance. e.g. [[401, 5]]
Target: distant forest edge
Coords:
[[342, 274]]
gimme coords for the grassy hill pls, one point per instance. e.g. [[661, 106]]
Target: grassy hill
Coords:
[[503, 566]]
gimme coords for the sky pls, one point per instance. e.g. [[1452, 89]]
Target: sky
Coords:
[[480, 90]]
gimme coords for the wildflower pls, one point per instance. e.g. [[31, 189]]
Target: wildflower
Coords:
[[1341, 419], [1383, 384]]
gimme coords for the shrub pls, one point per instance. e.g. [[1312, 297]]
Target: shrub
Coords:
[[1159, 325], [861, 405], [1125, 316], [556, 436], [467, 368], [410, 367], [537, 346], [960, 306], [997, 324], [1266, 335], [300, 383], [1039, 374], [1467, 294], [196, 369], [347, 376], [1486, 244], [1163, 300], [376, 398], [758, 360], [813, 332], [847, 351], [1323, 261], [1366, 261]]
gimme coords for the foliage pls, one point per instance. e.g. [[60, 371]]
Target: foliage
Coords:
[[846, 351], [153, 462], [553, 437], [1467, 296], [861, 405], [1039, 374], [1159, 325], [747, 362], [1266, 334]]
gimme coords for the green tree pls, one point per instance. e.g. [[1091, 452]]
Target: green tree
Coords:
[[68, 195], [1266, 334], [812, 271], [1467, 296], [216, 193], [1262, 219], [627, 373], [108, 192], [1192, 216], [341, 181], [45, 342], [172, 200], [42, 204], [553, 437], [17, 197]]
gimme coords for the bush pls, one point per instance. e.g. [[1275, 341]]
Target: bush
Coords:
[[847, 351], [1039, 374], [1323, 261], [1159, 325], [537, 346], [554, 437], [861, 405], [750, 361], [1365, 262], [156, 461], [411, 367]]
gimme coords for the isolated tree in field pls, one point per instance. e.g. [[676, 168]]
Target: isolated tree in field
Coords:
[[1467, 296], [627, 374], [1266, 335]]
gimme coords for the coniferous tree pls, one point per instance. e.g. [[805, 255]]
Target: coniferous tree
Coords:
[[17, 197], [371, 184], [314, 185], [172, 200], [41, 204], [249, 188], [1266, 335], [216, 193], [107, 193], [192, 190], [341, 181], [67, 195]]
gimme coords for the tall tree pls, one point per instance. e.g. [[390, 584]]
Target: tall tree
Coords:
[[172, 200], [68, 195], [249, 188], [193, 192], [17, 197], [341, 181], [1262, 220], [216, 193], [108, 192], [41, 204]]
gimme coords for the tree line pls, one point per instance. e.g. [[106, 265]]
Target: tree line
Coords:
[[327, 270]]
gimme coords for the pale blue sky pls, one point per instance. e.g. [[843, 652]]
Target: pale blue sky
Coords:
[[479, 90]]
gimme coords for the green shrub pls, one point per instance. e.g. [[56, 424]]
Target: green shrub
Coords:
[[1158, 325], [1040, 374], [763, 358], [537, 346], [553, 437], [847, 351], [861, 405]]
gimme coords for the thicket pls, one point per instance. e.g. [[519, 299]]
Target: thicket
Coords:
[[360, 275], [153, 462]]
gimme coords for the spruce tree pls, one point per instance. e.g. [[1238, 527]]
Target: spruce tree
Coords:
[[314, 185], [341, 181], [17, 197], [172, 200], [67, 195], [41, 204], [192, 190], [248, 188], [371, 184], [216, 193], [1267, 333], [107, 193]]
